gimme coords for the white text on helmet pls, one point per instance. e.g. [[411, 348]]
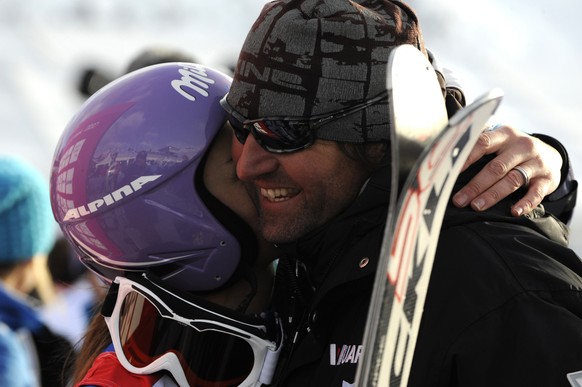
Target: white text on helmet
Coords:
[[109, 199], [194, 80]]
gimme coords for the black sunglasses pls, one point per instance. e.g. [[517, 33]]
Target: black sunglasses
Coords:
[[288, 134]]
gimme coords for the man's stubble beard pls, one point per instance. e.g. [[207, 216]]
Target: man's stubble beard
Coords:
[[289, 229]]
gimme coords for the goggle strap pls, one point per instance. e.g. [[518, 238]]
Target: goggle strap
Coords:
[[271, 359], [110, 300], [269, 366]]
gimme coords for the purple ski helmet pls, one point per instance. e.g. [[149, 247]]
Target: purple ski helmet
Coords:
[[126, 181]]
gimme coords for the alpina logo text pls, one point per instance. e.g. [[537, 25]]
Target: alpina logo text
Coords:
[[109, 199]]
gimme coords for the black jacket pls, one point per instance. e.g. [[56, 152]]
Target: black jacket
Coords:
[[504, 305]]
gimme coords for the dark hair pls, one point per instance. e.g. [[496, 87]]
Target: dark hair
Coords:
[[372, 155]]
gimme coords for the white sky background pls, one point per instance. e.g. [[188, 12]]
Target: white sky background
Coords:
[[529, 49]]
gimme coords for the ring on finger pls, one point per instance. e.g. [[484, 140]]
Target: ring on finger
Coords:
[[523, 173]]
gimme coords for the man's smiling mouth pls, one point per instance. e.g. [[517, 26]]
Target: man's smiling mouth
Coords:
[[278, 194]]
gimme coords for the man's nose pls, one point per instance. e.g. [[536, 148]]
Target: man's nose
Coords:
[[252, 161]]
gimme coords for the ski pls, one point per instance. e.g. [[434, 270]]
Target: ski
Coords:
[[427, 156]]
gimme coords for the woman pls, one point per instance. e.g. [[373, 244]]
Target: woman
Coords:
[[185, 220]]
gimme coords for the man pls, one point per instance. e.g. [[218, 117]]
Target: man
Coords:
[[308, 110]]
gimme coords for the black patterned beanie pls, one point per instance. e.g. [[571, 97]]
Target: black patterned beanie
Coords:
[[309, 57]]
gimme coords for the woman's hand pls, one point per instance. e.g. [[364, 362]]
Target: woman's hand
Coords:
[[540, 162]]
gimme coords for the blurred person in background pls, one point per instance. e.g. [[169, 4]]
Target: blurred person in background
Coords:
[[30, 353], [77, 292]]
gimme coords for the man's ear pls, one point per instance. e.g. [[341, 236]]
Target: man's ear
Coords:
[[376, 151]]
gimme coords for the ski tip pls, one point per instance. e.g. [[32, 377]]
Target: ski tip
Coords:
[[493, 94]]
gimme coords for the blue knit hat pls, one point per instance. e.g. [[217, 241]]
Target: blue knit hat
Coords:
[[26, 222]]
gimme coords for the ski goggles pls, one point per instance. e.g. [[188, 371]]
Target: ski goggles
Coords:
[[199, 343], [287, 134]]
